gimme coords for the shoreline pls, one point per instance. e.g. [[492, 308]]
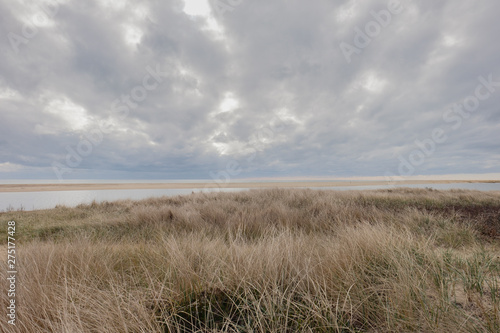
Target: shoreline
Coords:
[[251, 185]]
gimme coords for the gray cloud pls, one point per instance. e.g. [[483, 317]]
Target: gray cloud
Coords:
[[298, 107]]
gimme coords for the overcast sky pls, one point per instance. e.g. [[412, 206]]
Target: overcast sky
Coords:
[[248, 88]]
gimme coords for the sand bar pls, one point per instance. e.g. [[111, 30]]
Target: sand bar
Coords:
[[146, 186]]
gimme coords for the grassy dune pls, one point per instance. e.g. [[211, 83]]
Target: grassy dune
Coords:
[[280, 260]]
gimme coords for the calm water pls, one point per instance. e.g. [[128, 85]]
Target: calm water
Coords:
[[45, 200]]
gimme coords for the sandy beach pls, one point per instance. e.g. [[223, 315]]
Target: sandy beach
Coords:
[[139, 186]]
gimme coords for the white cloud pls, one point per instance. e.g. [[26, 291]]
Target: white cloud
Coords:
[[75, 116], [229, 103], [197, 7], [373, 83], [7, 93], [132, 35]]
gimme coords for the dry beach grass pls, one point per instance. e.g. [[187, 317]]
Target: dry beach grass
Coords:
[[269, 260]]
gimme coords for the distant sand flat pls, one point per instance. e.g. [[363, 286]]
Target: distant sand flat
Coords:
[[159, 186]]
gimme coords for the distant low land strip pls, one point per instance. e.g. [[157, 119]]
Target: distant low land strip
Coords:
[[159, 186]]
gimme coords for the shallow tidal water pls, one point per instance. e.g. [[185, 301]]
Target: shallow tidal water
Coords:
[[50, 199]]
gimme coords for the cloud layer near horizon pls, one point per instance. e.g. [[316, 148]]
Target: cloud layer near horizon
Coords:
[[262, 85]]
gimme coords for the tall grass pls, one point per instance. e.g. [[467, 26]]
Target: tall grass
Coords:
[[275, 260]]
